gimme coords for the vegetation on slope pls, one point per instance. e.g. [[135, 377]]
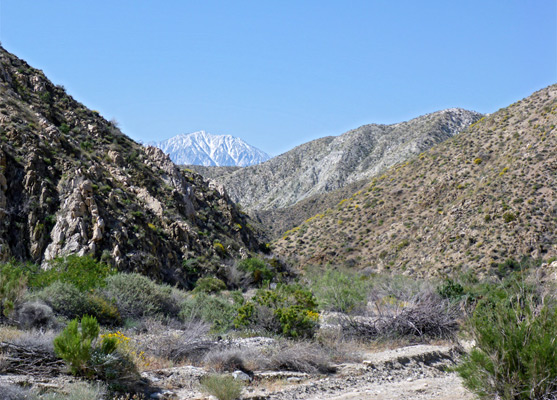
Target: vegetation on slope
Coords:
[[481, 197], [72, 183]]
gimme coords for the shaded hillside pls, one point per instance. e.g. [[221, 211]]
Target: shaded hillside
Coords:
[[276, 221], [330, 163], [481, 197], [71, 182]]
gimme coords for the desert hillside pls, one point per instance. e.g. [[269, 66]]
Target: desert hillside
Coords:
[[330, 163], [479, 198]]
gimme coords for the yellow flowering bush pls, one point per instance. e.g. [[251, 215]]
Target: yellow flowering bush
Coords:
[[127, 347]]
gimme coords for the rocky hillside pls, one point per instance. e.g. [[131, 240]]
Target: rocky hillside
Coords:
[[330, 163], [202, 148], [481, 197], [71, 182]]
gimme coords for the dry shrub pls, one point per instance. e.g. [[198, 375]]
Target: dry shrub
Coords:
[[37, 340], [35, 314], [230, 360], [300, 357], [424, 315], [340, 348], [9, 333], [187, 344], [430, 316], [14, 392]]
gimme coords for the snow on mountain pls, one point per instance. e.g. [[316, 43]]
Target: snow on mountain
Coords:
[[202, 148]]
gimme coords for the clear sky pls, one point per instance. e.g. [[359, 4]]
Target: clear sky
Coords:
[[280, 73]]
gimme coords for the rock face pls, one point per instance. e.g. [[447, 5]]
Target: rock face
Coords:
[[330, 163], [483, 196], [202, 148], [72, 183]]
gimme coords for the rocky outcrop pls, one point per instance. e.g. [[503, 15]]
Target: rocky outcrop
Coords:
[[72, 183]]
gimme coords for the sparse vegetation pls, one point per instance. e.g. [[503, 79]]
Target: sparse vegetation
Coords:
[[223, 387]]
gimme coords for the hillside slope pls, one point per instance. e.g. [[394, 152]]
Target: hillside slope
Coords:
[[481, 197], [330, 163], [71, 182]]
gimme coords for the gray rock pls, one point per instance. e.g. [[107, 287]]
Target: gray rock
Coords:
[[241, 376]]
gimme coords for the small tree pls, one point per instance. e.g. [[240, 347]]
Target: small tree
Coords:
[[78, 340]]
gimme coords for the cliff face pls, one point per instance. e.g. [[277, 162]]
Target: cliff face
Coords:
[[71, 182], [485, 195]]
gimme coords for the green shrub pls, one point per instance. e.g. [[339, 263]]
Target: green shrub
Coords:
[[339, 291], [509, 217], [64, 128], [77, 341], [259, 270], [84, 272], [219, 249], [216, 310], [451, 290], [67, 300], [115, 368], [515, 356], [209, 284], [13, 284], [103, 309], [137, 296], [297, 321], [223, 387], [289, 310], [77, 391]]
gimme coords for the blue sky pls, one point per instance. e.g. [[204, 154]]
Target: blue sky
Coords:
[[280, 73]]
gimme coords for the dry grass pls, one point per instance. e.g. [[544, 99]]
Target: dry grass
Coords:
[[230, 360], [341, 349], [223, 387], [9, 333], [187, 344], [300, 357]]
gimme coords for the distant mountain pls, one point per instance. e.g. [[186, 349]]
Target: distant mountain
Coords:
[[477, 199], [330, 163], [202, 148]]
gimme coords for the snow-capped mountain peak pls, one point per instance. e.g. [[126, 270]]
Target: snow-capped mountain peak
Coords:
[[202, 148]]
